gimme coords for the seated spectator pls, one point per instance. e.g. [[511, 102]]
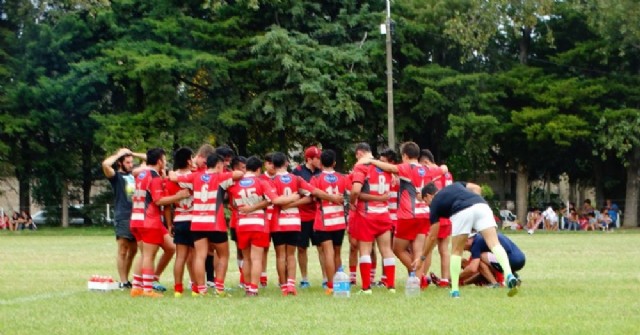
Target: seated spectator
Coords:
[[605, 221], [614, 212], [15, 220], [550, 219], [592, 221], [533, 219], [587, 209], [25, 221], [572, 220], [5, 222]]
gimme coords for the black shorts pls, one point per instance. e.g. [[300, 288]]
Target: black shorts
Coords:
[[182, 233], [306, 234], [213, 236], [234, 236], [288, 238], [123, 230], [336, 237]]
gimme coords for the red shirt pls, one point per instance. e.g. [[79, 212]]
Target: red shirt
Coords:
[[288, 219], [393, 199], [445, 180], [307, 211], [375, 182], [413, 177], [183, 208], [149, 189], [329, 215], [246, 192], [208, 195]]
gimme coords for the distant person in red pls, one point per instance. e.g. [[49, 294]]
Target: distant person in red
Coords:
[[183, 164], [306, 171], [207, 221], [444, 233], [330, 224], [249, 197], [369, 199], [268, 175], [146, 221], [286, 224], [413, 212]]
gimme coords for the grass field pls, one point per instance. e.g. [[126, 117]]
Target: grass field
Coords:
[[573, 283]]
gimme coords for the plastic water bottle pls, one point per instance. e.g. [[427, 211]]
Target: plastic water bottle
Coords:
[[412, 289], [341, 284]]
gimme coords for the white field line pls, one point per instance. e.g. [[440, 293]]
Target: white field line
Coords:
[[37, 297]]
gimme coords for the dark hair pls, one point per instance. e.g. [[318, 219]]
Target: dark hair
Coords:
[[268, 157], [154, 155], [430, 189], [390, 155], [411, 149], [278, 159], [225, 151], [122, 158], [426, 153], [328, 158], [181, 157], [254, 163], [212, 160], [587, 201], [237, 160], [362, 146]]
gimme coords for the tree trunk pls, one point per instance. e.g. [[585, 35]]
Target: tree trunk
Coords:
[[630, 219], [87, 177], [524, 45], [65, 204], [598, 173], [24, 187], [522, 188]]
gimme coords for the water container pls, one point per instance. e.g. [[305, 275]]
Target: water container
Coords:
[[341, 284], [412, 289]]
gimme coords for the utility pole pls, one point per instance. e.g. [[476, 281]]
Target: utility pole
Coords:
[[390, 123]]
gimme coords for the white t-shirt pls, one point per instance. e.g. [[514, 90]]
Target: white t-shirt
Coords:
[[550, 215]]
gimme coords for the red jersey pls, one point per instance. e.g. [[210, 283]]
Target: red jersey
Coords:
[[288, 219], [149, 189], [375, 182], [444, 181], [248, 191], [393, 199], [208, 195], [182, 209], [413, 177], [329, 215], [270, 209], [307, 211]]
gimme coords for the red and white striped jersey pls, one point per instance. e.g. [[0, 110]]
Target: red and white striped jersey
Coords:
[[330, 216], [183, 208], [393, 199], [444, 181], [208, 195], [413, 177], [149, 188], [375, 182], [249, 191], [288, 219]]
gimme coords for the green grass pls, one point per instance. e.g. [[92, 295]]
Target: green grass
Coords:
[[576, 283]]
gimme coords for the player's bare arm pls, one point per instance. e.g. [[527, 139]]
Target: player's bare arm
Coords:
[[429, 244], [286, 199], [182, 194], [248, 209], [107, 164], [475, 188], [385, 166]]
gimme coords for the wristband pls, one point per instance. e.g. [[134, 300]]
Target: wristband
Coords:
[[423, 258]]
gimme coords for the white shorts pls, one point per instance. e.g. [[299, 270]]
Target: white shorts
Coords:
[[478, 217]]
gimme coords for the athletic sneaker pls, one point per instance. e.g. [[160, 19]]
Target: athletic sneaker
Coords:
[[328, 291], [424, 282], [136, 292], [444, 283], [496, 285], [379, 284], [251, 294], [454, 294], [305, 284], [263, 284], [530, 231], [434, 279], [392, 290], [325, 285], [221, 294], [512, 284], [151, 294], [126, 285], [365, 292], [177, 294], [211, 284], [291, 290], [195, 294], [158, 287]]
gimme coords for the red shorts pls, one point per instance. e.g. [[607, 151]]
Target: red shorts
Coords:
[[367, 230], [408, 229], [445, 228], [351, 222], [255, 238], [149, 235]]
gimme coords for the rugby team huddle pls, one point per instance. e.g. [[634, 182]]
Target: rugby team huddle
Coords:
[[381, 202]]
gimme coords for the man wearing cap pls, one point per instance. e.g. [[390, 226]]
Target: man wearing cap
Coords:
[[306, 171]]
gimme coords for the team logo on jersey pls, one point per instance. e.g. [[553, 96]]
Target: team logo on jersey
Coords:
[[379, 170], [421, 172], [330, 178], [205, 177], [285, 178], [142, 175], [247, 182]]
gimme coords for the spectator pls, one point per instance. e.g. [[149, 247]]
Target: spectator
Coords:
[[533, 218], [15, 220], [25, 221], [587, 209], [592, 221], [572, 220], [614, 212], [550, 219], [5, 222], [605, 221]]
